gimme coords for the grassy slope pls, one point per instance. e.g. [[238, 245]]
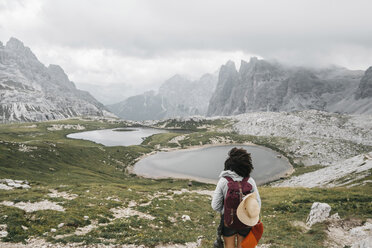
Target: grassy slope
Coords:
[[95, 172]]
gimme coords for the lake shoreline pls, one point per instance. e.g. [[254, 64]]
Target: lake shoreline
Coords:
[[180, 176]]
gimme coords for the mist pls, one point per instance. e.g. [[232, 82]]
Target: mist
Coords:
[[134, 46]]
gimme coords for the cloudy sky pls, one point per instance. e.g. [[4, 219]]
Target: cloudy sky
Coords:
[[117, 48]]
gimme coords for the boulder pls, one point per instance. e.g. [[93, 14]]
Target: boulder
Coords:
[[5, 187], [365, 243], [186, 218], [319, 212]]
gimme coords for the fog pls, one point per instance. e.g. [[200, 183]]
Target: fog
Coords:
[[119, 48]]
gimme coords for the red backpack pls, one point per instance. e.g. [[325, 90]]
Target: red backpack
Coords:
[[235, 193]]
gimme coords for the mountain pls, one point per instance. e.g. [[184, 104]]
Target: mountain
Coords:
[[30, 91], [177, 97], [260, 85], [365, 86], [146, 106]]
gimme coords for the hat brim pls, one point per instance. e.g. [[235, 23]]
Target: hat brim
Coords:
[[242, 216]]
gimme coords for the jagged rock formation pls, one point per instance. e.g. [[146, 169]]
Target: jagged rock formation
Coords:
[[29, 91], [177, 97], [365, 86], [269, 86]]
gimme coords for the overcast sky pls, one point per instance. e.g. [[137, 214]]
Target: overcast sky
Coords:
[[117, 48]]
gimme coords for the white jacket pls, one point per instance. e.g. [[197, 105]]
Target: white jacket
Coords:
[[221, 189]]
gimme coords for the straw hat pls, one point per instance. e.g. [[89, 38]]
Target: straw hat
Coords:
[[248, 211]]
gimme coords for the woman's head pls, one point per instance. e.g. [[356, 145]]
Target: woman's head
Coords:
[[240, 161]]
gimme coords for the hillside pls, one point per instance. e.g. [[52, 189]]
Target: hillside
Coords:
[[311, 137], [262, 85], [62, 192], [177, 97], [30, 91]]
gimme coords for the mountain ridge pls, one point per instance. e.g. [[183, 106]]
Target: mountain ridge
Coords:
[[176, 97], [262, 85], [31, 91]]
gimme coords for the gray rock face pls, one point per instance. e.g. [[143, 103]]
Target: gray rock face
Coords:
[[147, 106], [269, 86], [365, 86], [29, 91], [228, 80], [319, 212], [177, 97]]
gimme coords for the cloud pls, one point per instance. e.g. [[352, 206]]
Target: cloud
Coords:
[[140, 43], [105, 69]]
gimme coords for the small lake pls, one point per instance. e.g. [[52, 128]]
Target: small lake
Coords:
[[117, 136], [205, 164]]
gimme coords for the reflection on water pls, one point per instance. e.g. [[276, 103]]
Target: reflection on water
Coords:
[[205, 164], [117, 137]]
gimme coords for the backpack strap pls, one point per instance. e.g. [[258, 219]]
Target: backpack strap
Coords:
[[245, 179], [229, 179]]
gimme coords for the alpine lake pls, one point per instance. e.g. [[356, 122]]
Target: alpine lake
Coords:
[[202, 164]]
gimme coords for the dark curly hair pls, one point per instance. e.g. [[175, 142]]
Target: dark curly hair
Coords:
[[240, 161]]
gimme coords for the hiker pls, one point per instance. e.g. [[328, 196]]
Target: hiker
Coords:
[[234, 179]]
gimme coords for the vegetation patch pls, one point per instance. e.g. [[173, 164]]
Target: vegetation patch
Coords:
[[105, 204]]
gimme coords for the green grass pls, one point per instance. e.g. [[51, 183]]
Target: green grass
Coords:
[[196, 125], [98, 175]]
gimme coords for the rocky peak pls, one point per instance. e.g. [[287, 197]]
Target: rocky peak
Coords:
[[176, 77], [244, 66], [16, 46], [35, 92], [171, 87], [365, 86], [149, 93], [253, 60], [259, 69], [229, 65], [1, 45], [227, 70], [59, 76], [175, 80], [207, 76]]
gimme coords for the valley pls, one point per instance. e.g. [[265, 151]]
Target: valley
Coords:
[[83, 193]]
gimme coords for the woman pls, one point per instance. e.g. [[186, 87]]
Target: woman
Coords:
[[238, 166]]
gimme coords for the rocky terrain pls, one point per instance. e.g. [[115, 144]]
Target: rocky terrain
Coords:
[[348, 172], [75, 193], [261, 85], [311, 137], [177, 97], [30, 91]]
